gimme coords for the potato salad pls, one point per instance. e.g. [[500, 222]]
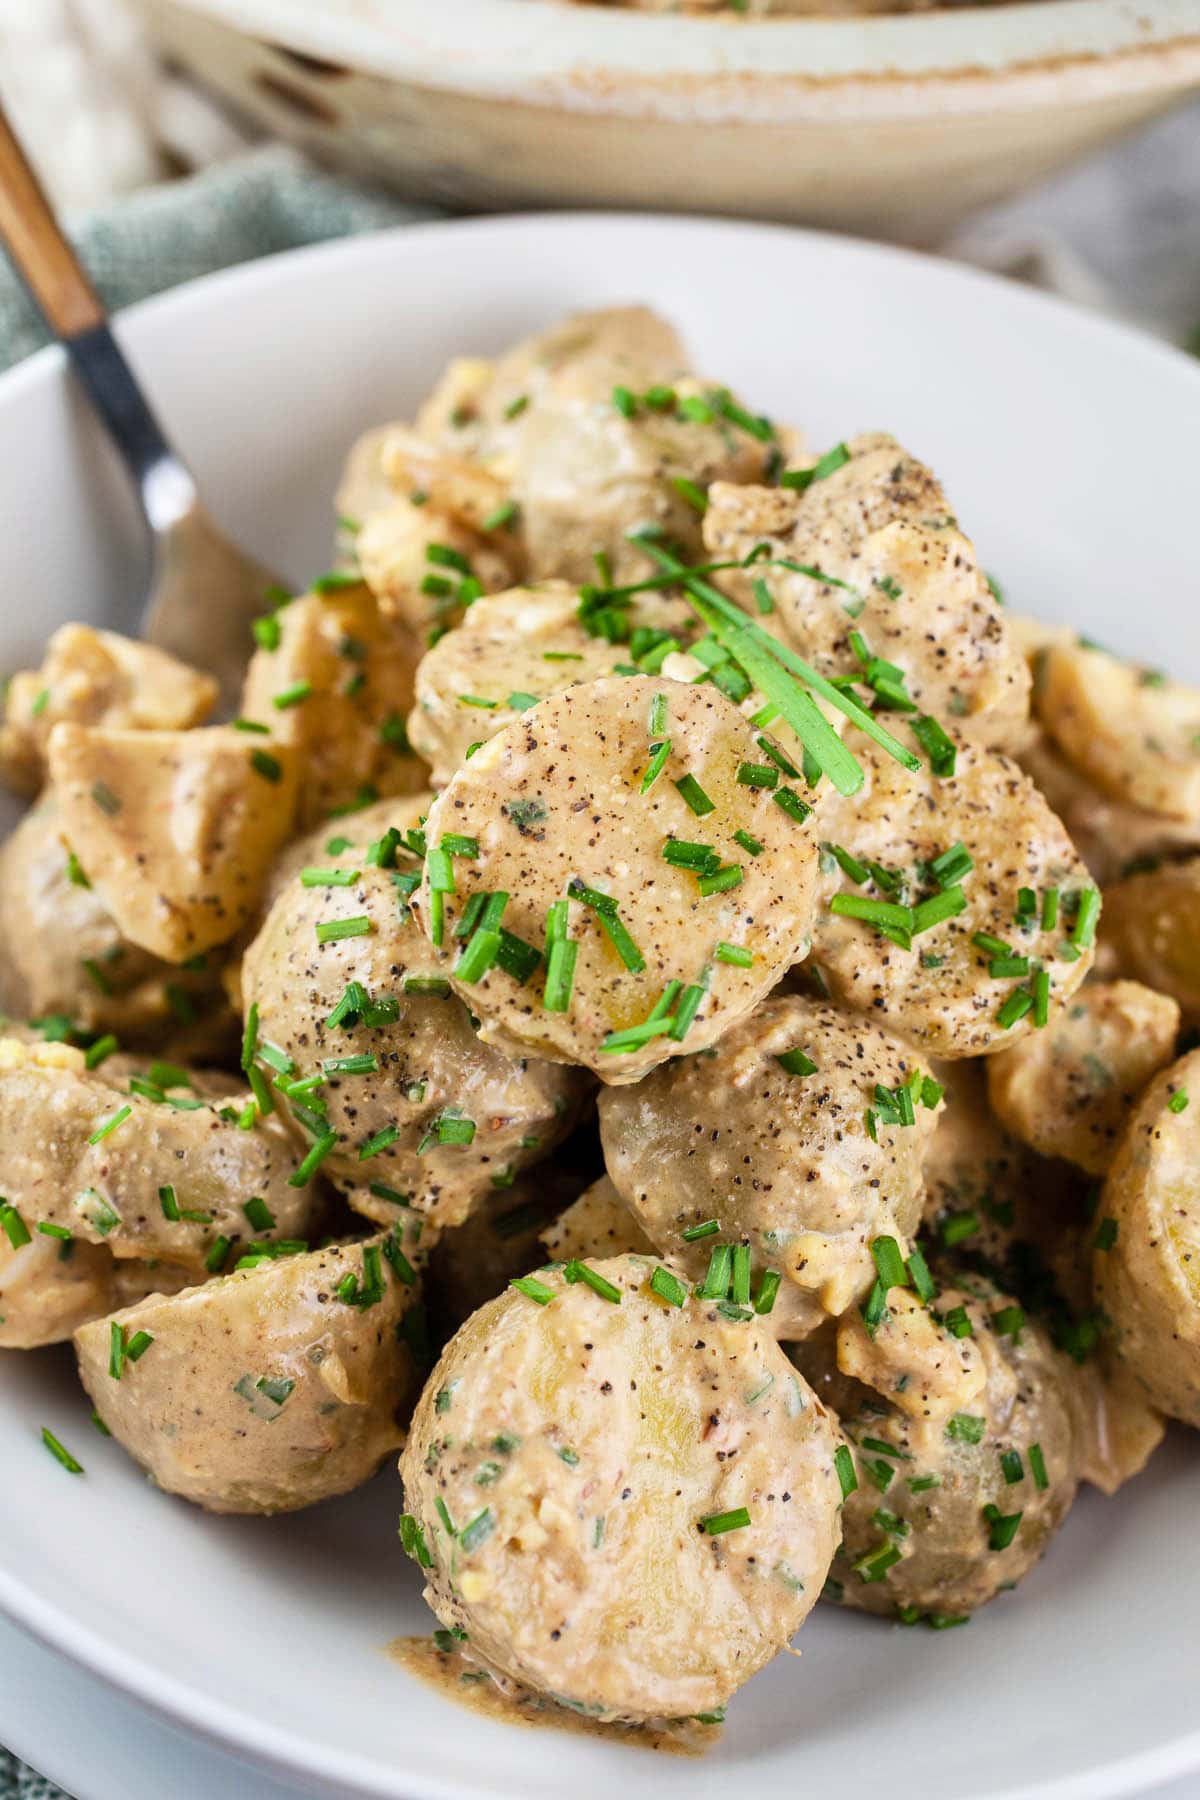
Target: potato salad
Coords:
[[669, 1009]]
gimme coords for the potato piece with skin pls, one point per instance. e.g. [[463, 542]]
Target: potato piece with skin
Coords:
[[269, 1389], [1068, 1090], [475, 407], [921, 1536], [782, 1160], [585, 469], [526, 643], [880, 522], [61, 952], [176, 830], [50, 1286], [1146, 1266], [1150, 931], [1113, 839], [336, 690], [59, 1164], [1028, 1222], [653, 1419], [557, 798], [450, 1112], [467, 493], [597, 1224], [418, 589], [940, 993], [95, 678], [1132, 732]]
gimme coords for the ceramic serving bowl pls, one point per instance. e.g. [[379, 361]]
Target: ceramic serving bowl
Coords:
[[895, 126]]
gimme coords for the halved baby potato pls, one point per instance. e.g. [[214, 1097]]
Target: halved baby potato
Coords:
[[657, 895], [566, 1454], [1068, 1090], [410, 1105], [176, 830], [511, 650], [1146, 1264], [336, 688], [801, 1134], [873, 552], [1150, 931], [274, 1387], [1132, 731], [949, 1507], [1008, 918]]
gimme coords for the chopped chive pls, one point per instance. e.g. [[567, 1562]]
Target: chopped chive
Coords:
[[412, 1540], [1014, 1008], [533, 1289], [937, 908], [105, 799], [258, 1214], [1011, 1466], [735, 954], [634, 1036], [576, 1271], [118, 1118], [689, 491], [965, 1428], [750, 844], [292, 695], [366, 1064], [332, 931], [796, 1062], [843, 1463], [269, 767], [791, 804], [380, 1141], [54, 1231], [921, 1279], [60, 1453], [1002, 1527], [1083, 932], [1178, 1101], [715, 1524], [708, 1229], [310, 878], [694, 796], [13, 1226], [824, 466], [757, 775], [667, 1286], [214, 1262], [721, 881], [474, 1533], [938, 747], [1049, 909], [889, 1263], [312, 1162], [768, 1288], [881, 913], [1037, 1466], [715, 1285], [100, 1051]]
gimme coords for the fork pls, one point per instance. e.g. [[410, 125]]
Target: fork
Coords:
[[203, 590]]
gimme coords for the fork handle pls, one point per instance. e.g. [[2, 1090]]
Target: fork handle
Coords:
[[52, 272], [37, 246]]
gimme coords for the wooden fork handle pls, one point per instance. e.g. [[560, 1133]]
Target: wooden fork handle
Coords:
[[35, 242]]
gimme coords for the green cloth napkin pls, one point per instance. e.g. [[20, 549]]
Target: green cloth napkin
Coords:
[[253, 205]]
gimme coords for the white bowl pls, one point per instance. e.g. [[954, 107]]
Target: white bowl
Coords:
[[1068, 449], [892, 126]]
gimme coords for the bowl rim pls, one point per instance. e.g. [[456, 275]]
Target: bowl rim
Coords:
[[542, 49]]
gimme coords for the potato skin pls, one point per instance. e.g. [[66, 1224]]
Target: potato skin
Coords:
[[1147, 1279], [783, 1161], [946, 1566], [1150, 931], [1068, 1090], [940, 993], [430, 1062], [541, 1421], [193, 1409]]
